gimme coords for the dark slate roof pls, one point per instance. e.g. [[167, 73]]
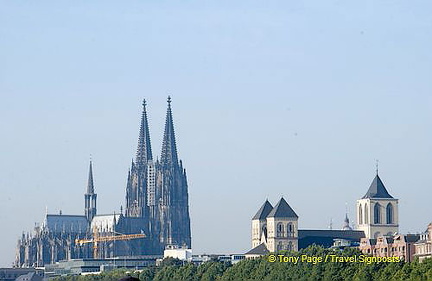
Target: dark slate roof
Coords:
[[261, 249], [333, 233], [377, 190], [263, 211], [282, 210], [67, 223], [325, 238]]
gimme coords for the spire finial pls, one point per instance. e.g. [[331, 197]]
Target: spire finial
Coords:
[[169, 100], [377, 166], [144, 103]]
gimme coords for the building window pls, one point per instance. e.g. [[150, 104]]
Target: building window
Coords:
[[389, 212], [280, 230], [377, 213], [366, 218], [290, 230], [360, 214], [279, 246], [290, 246]]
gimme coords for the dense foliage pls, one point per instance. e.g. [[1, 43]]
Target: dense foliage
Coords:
[[263, 269]]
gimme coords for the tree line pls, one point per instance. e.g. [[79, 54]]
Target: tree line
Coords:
[[276, 268]]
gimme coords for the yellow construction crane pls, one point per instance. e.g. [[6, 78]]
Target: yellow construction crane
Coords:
[[96, 239]]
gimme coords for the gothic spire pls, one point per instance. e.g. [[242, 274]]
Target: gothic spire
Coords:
[[169, 149], [90, 185], [144, 152]]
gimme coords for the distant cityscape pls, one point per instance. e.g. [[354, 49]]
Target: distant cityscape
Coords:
[[155, 223]]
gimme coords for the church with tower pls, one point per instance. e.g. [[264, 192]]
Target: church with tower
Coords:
[[157, 207], [377, 211], [277, 228]]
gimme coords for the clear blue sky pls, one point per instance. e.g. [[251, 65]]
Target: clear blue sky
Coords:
[[270, 98]]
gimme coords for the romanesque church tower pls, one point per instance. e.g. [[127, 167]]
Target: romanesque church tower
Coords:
[[275, 227], [377, 211]]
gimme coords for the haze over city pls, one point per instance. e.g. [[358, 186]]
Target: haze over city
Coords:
[[292, 99]]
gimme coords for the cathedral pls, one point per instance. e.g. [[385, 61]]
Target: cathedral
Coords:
[[156, 213]]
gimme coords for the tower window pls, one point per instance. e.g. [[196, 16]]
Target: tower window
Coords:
[[377, 213], [366, 219], [280, 230], [360, 214], [290, 230], [389, 213]]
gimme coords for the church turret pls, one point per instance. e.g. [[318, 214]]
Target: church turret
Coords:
[[259, 224], [377, 211], [90, 197]]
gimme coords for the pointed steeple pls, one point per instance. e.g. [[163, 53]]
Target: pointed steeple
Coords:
[[144, 152], [90, 185], [377, 189], [346, 224], [169, 149], [263, 212], [282, 210]]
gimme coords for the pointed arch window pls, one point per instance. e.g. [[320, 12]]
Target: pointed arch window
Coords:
[[360, 216], [377, 213], [389, 213]]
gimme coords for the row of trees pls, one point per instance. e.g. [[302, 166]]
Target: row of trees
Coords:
[[262, 269]]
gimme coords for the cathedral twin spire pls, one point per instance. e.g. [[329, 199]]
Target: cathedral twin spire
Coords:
[[144, 151], [169, 148]]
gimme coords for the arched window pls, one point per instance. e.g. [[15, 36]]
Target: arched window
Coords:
[[279, 246], [290, 230], [366, 218], [389, 213], [360, 215], [289, 247], [377, 213], [280, 230]]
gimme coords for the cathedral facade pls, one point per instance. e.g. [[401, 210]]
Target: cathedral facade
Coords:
[[157, 208]]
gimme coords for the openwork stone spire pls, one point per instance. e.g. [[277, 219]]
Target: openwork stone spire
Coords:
[[144, 152], [169, 149], [90, 185]]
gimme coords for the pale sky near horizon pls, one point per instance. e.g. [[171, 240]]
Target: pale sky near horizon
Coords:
[[270, 98]]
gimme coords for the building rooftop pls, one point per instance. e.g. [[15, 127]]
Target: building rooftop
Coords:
[[377, 190]]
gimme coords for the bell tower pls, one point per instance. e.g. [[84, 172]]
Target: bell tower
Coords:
[[377, 211]]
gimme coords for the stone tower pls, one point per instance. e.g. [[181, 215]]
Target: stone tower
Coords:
[[172, 220], [276, 228], [90, 197], [282, 227], [377, 211], [136, 190], [259, 224]]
